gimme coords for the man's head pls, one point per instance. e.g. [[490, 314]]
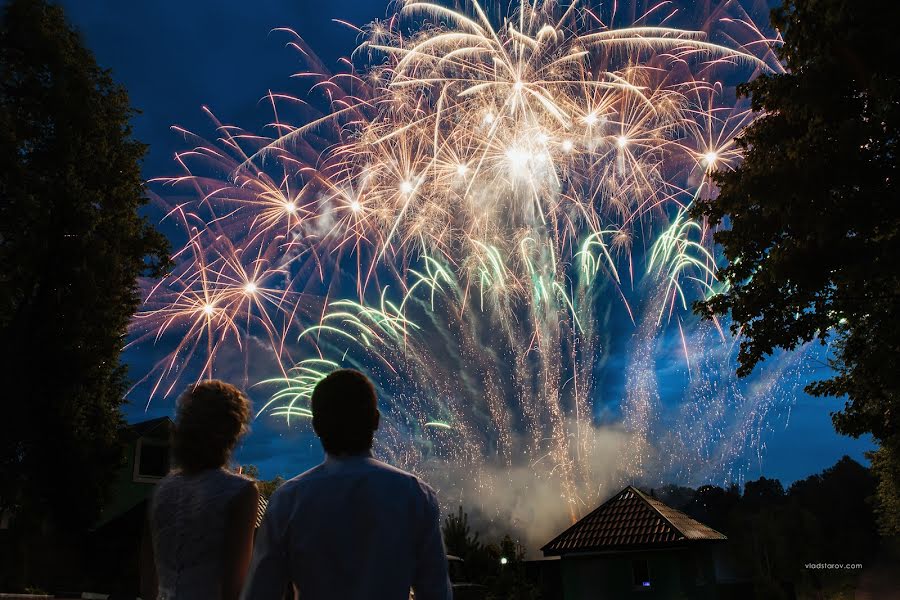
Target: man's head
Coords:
[[345, 412]]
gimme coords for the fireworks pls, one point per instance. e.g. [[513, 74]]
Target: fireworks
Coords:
[[454, 213]]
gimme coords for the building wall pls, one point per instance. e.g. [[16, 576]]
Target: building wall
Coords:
[[678, 573], [128, 490]]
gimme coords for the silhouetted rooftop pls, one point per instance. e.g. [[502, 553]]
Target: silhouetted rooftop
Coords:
[[630, 520], [143, 428]]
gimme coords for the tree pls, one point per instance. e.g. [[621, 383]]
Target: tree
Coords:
[[458, 536], [511, 582], [886, 468], [266, 488], [500, 567], [813, 211], [839, 500], [72, 245]]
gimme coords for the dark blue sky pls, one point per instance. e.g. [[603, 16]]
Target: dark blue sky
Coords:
[[176, 56]]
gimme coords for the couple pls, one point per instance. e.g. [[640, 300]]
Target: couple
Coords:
[[351, 528]]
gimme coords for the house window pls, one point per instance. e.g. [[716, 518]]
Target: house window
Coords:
[[640, 574], [151, 461]]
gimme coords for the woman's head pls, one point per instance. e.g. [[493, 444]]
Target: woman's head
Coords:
[[211, 418]]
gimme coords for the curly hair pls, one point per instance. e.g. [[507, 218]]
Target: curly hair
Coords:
[[345, 412], [211, 418]]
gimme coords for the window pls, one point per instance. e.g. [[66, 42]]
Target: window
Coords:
[[640, 574], [151, 461]]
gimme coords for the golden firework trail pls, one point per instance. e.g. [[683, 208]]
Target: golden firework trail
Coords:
[[452, 210]]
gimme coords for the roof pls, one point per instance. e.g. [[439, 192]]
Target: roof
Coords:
[[261, 506], [144, 428], [630, 520]]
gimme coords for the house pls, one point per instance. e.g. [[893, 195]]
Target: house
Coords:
[[107, 557], [119, 542], [146, 462], [634, 546], [119, 545]]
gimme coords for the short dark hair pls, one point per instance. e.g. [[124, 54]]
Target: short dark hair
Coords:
[[345, 412], [211, 418]]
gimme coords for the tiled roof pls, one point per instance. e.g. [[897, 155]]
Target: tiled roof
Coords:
[[630, 520], [261, 507]]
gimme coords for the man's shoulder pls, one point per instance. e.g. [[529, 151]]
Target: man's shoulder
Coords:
[[369, 466], [397, 474], [390, 470], [291, 485]]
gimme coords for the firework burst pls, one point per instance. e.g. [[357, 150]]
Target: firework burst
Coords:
[[455, 211]]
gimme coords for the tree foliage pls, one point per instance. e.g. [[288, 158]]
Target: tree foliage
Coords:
[[502, 580], [813, 211], [774, 533], [72, 245], [458, 536], [266, 487]]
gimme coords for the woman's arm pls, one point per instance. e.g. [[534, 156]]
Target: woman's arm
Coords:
[[239, 525]]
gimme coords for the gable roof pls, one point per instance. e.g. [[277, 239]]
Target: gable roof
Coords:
[[144, 428], [630, 520]]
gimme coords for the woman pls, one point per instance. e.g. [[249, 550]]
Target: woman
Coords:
[[202, 516]]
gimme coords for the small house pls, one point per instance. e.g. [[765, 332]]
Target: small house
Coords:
[[634, 546]]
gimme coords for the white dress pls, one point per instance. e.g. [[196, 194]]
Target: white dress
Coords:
[[187, 517]]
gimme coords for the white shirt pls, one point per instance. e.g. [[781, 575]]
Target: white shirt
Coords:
[[350, 528]]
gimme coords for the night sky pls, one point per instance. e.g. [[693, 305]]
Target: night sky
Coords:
[[176, 56]]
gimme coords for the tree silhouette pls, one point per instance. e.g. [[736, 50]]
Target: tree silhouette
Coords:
[[458, 537], [813, 214], [72, 245]]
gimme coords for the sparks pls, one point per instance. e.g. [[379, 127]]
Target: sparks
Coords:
[[452, 212]]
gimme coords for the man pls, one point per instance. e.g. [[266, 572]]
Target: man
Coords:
[[352, 527]]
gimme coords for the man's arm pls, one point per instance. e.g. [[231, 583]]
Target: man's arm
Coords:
[[269, 573], [431, 581]]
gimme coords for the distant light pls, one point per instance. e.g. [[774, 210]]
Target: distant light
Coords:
[[504, 560], [591, 119], [710, 158], [250, 287], [407, 187], [290, 207], [567, 145], [518, 85], [489, 118], [645, 583], [355, 206], [462, 169], [209, 309], [622, 141]]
